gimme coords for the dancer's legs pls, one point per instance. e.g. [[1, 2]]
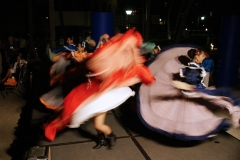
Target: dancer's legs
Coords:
[[99, 124], [102, 130]]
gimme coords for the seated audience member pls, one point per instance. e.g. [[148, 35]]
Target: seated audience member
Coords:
[[9, 79], [18, 66]]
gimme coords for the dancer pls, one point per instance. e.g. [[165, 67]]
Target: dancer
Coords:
[[68, 71], [115, 94], [103, 39], [206, 62], [172, 110], [99, 120], [147, 49], [194, 75], [89, 44], [68, 48], [115, 66]]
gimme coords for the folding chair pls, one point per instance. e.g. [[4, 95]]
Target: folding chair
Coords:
[[2, 93], [10, 89], [5, 89]]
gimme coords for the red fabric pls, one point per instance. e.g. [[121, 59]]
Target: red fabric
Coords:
[[71, 102], [118, 78], [83, 91]]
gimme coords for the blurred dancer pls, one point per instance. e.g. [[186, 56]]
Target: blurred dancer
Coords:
[[68, 48], [147, 50], [103, 39], [89, 44], [99, 120], [115, 66], [175, 107], [68, 71], [193, 75]]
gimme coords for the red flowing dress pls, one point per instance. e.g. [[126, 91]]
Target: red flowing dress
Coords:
[[117, 64]]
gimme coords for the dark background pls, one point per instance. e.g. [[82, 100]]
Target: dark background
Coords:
[[14, 15]]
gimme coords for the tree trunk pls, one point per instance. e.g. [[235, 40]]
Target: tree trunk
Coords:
[[148, 2], [142, 19], [182, 22], [179, 18], [61, 18], [52, 24], [30, 25], [169, 20]]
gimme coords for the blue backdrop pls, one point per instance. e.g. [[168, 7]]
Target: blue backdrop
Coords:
[[229, 51], [101, 23]]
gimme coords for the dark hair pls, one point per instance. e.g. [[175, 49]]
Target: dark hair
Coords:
[[71, 37], [192, 52]]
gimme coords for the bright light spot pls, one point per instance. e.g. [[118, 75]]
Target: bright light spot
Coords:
[[211, 46], [160, 19], [186, 29], [206, 29], [46, 17], [202, 18], [128, 12], [202, 25]]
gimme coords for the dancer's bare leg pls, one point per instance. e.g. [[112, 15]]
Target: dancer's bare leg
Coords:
[[102, 130], [99, 124]]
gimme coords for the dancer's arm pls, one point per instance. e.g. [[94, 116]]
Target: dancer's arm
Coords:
[[182, 85]]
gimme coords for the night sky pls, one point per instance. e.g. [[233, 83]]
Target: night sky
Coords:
[[14, 13]]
